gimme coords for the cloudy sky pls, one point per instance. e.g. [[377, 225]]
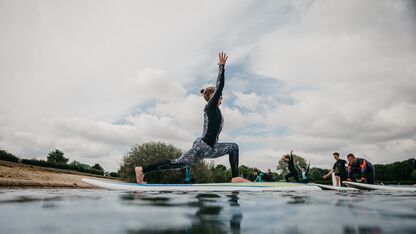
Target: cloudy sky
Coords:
[[93, 78]]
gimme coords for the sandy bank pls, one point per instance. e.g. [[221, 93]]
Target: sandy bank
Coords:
[[20, 175]]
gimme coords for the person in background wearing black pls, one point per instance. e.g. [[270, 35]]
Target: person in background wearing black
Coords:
[[340, 170], [269, 176], [361, 167], [291, 166]]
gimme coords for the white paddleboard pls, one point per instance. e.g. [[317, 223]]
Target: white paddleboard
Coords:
[[264, 186], [380, 187], [330, 187]]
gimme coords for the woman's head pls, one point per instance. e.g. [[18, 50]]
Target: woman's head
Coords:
[[286, 157], [208, 92]]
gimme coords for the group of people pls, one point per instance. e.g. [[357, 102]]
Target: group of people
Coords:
[[208, 147], [263, 176], [293, 171], [356, 170]]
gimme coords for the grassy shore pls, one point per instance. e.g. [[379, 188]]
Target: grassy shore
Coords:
[[18, 175]]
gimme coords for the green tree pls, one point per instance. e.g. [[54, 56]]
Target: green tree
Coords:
[[220, 174], [152, 152], [114, 174], [247, 172], [75, 163], [97, 167], [394, 172], [200, 173], [57, 156], [316, 174], [4, 155], [277, 176]]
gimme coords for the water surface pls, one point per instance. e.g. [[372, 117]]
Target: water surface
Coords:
[[102, 211]]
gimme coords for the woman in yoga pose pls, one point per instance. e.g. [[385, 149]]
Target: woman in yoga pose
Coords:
[[291, 166], [207, 145]]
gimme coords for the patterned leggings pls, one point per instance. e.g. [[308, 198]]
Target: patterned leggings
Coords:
[[200, 150]]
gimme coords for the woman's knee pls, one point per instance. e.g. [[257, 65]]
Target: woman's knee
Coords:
[[234, 147]]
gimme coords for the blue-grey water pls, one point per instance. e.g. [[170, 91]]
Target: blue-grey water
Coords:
[[102, 211]]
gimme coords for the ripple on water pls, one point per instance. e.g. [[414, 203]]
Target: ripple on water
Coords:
[[101, 211]]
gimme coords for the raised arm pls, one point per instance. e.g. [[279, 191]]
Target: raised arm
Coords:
[[222, 59]]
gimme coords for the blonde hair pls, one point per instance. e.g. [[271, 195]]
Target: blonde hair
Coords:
[[207, 92]]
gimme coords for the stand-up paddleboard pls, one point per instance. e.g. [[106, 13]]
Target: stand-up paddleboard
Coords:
[[380, 187], [330, 187], [227, 187]]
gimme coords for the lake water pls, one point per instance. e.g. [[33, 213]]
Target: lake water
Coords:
[[102, 211]]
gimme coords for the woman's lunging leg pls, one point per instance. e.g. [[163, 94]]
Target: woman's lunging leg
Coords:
[[186, 158], [162, 166], [232, 150]]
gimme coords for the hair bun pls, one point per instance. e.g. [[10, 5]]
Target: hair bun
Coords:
[[202, 91]]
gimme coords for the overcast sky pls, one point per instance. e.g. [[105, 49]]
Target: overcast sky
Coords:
[[93, 78]]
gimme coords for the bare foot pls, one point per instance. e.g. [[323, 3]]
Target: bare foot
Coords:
[[139, 175], [239, 180]]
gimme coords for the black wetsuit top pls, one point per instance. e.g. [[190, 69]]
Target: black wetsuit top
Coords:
[[291, 164], [269, 177], [292, 171], [363, 168], [212, 114], [339, 168]]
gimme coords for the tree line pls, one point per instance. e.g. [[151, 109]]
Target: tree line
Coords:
[[202, 172], [402, 172], [56, 159]]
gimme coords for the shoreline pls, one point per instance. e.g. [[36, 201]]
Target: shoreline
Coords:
[[20, 176]]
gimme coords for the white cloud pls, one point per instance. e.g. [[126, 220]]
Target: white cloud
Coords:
[[95, 78], [248, 101]]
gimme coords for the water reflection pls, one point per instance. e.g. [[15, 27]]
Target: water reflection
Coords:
[[362, 230], [297, 199], [214, 213], [101, 211], [27, 199]]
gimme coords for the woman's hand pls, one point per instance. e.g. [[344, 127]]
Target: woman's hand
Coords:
[[222, 58]]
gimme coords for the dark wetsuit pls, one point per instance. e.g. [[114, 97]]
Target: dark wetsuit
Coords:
[[292, 171], [364, 169], [339, 169], [206, 146], [187, 179], [269, 177], [261, 177]]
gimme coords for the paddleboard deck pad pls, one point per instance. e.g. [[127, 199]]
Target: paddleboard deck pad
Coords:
[[380, 187], [227, 187], [330, 187]]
